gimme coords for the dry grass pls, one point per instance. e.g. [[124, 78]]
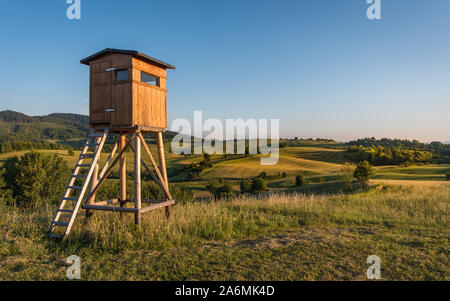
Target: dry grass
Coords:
[[272, 237]]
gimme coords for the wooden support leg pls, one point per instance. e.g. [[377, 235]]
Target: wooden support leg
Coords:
[[94, 182], [137, 180], [158, 173], [162, 166], [122, 172], [104, 174]]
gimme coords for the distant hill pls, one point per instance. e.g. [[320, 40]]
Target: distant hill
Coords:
[[15, 126], [18, 127]]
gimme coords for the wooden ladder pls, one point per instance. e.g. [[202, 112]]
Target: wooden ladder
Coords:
[[73, 196]]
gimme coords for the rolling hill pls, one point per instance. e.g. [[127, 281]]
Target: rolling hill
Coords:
[[56, 127], [16, 126]]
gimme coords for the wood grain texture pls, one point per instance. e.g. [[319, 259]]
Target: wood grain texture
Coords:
[[137, 180], [122, 170], [162, 166], [128, 102]]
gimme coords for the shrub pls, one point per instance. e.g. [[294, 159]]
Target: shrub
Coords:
[[225, 190], [319, 180], [213, 187], [218, 190], [447, 176], [363, 171], [299, 180], [36, 178], [347, 174], [70, 152], [246, 186], [258, 185]]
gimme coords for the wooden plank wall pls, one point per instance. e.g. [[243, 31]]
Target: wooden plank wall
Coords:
[[121, 92], [149, 102], [99, 90], [107, 93], [134, 102]]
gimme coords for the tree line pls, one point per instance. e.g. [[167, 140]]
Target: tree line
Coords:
[[397, 151], [379, 155], [8, 146]]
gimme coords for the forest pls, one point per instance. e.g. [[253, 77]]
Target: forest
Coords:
[[387, 151]]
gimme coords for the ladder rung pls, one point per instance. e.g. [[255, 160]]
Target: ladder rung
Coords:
[[54, 235], [96, 140], [83, 165], [61, 223], [75, 187]]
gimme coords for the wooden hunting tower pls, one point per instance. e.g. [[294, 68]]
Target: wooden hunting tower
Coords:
[[127, 89], [127, 96]]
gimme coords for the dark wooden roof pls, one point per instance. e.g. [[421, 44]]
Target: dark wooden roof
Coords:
[[134, 53]]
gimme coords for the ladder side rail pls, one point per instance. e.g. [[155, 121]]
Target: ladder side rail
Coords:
[[71, 182], [86, 182]]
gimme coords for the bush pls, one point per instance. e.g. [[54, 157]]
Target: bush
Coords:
[[246, 186], [299, 180], [363, 172], [447, 176], [258, 185], [319, 180], [347, 174], [225, 191], [70, 152], [212, 187], [36, 178], [218, 190]]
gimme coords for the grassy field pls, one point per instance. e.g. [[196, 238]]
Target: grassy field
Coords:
[[430, 172], [271, 237], [311, 161], [319, 231]]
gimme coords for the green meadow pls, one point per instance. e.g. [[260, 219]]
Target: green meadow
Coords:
[[287, 236], [319, 231]]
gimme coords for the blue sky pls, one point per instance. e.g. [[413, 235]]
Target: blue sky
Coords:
[[320, 66]]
